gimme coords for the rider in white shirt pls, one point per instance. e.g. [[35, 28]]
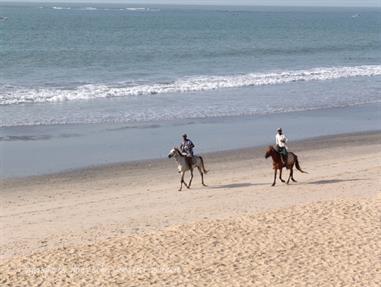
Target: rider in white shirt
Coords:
[[281, 141]]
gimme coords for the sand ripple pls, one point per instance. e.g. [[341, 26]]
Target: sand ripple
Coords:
[[336, 243]]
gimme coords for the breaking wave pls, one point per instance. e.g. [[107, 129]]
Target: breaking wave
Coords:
[[183, 85], [61, 8], [131, 9]]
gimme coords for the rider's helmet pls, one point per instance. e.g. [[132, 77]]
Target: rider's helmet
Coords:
[[185, 136], [279, 130]]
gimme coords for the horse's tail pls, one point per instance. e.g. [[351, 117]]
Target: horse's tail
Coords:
[[203, 165], [297, 165]]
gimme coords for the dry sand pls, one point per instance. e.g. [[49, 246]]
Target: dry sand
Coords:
[[127, 225]]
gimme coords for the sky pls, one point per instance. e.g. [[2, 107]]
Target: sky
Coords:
[[344, 3]]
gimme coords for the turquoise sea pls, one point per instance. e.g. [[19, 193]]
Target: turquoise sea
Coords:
[[65, 66]]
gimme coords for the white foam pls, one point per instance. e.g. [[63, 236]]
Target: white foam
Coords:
[[89, 8], [61, 8], [184, 85], [136, 9]]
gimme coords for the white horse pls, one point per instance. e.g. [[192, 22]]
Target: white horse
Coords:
[[182, 166]]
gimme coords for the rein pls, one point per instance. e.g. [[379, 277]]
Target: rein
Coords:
[[178, 153]]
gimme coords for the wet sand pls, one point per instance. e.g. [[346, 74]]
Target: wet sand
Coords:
[[39, 150]]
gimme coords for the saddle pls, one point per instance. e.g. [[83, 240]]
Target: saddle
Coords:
[[281, 150], [193, 157]]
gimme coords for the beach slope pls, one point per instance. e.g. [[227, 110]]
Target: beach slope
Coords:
[[128, 225]]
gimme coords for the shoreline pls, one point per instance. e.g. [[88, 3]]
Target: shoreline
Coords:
[[55, 149], [255, 151]]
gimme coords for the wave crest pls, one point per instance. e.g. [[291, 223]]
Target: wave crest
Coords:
[[184, 85]]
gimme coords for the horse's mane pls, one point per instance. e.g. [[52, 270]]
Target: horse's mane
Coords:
[[178, 151]]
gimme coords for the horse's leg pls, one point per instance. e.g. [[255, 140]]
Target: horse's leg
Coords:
[[280, 175], [182, 181], [275, 171], [191, 177], [202, 176], [292, 176]]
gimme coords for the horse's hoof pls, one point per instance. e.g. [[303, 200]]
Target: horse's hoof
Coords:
[[282, 180], [204, 184], [273, 184], [294, 180]]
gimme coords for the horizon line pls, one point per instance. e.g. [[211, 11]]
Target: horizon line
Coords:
[[187, 4]]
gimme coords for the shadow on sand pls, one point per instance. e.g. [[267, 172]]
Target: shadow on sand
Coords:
[[238, 185], [330, 181]]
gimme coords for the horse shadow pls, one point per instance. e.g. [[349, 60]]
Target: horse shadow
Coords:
[[331, 181], [237, 185]]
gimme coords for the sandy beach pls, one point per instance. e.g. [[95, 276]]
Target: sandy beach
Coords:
[[127, 225], [93, 97]]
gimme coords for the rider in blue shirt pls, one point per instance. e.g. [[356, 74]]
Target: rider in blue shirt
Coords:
[[186, 148]]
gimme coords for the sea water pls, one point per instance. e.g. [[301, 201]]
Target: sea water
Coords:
[[64, 65]]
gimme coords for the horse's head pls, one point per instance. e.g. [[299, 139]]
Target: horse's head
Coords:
[[173, 152], [269, 151]]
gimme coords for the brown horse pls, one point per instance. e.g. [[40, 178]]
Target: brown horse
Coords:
[[292, 160]]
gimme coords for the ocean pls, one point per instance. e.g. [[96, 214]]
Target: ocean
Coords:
[[70, 65]]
